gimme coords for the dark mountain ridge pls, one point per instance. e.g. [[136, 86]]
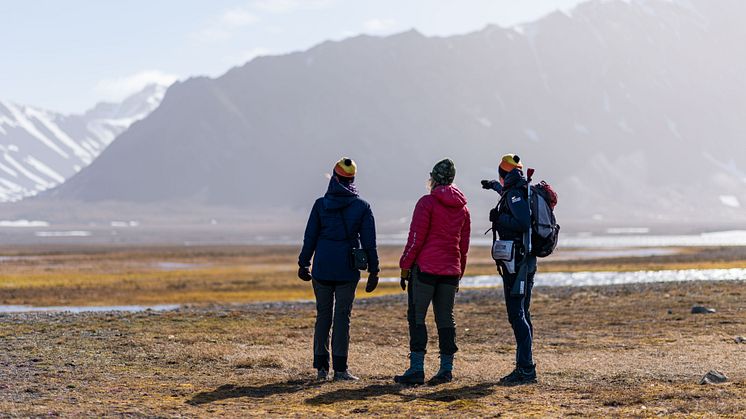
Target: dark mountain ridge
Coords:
[[633, 109]]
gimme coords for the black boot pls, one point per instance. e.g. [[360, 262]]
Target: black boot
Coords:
[[415, 374], [411, 378], [441, 377], [445, 373], [520, 376]]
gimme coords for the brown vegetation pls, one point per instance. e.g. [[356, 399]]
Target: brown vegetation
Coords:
[[118, 275], [619, 351], [601, 351]]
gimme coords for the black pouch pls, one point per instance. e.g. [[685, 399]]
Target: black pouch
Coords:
[[494, 214], [359, 259]]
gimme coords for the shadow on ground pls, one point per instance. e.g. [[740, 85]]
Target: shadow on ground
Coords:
[[230, 391], [376, 390]]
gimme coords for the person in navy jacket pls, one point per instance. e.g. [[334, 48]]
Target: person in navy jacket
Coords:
[[511, 219], [339, 221]]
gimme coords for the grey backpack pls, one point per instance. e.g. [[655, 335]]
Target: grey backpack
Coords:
[[544, 227]]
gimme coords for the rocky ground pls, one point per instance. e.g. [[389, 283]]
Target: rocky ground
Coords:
[[601, 351]]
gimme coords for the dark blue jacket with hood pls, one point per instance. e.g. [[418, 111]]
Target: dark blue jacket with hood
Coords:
[[513, 216], [325, 238]]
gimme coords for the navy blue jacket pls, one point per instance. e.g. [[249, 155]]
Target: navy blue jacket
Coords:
[[325, 239], [513, 216]]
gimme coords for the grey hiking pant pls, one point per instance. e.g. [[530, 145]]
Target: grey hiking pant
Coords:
[[423, 289], [333, 310]]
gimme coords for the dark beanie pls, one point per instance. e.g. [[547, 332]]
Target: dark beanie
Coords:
[[444, 172]]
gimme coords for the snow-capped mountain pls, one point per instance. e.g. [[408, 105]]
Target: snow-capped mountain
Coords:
[[633, 109], [40, 149]]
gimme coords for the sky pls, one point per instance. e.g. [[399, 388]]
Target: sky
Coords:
[[68, 55]]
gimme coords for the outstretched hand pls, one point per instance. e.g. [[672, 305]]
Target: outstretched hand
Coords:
[[491, 185], [372, 282], [304, 273]]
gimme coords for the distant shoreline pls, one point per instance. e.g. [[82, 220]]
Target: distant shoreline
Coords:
[[136, 275]]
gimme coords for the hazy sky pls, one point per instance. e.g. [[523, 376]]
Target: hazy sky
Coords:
[[67, 55]]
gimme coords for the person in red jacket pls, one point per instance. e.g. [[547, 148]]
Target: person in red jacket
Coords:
[[433, 262]]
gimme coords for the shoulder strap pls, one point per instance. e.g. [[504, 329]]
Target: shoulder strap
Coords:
[[497, 207], [529, 245]]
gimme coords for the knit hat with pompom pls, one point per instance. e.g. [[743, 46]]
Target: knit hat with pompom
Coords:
[[345, 168], [509, 162]]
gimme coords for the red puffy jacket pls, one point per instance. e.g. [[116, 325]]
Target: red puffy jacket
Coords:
[[439, 233]]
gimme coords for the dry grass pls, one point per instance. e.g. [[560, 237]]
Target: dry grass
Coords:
[[119, 275], [601, 351]]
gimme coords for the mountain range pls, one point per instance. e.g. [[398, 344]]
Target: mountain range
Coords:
[[41, 149], [631, 109]]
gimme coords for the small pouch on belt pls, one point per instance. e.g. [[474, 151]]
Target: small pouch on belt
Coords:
[[503, 250]]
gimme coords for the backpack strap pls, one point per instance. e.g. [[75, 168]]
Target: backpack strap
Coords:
[[528, 243], [497, 210]]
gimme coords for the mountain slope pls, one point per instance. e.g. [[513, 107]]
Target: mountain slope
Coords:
[[631, 108], [40, 148]]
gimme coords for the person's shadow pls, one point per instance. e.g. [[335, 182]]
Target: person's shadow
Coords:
[[230, 391], [373, 390], [445, 395]]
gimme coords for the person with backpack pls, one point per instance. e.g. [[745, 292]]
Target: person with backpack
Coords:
[[341, 237], [511, 221], [433, 262]]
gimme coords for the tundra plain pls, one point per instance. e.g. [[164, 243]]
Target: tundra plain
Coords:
[[240, 343]]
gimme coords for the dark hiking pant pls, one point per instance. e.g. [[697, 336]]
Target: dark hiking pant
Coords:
[[333, 309], [519, 316], [441, 291]]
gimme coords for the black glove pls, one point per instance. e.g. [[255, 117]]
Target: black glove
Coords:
[[488, 184], [304, 273], [372, 282], [405, 275]]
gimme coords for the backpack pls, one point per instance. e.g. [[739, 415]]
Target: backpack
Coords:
[[544, 227]]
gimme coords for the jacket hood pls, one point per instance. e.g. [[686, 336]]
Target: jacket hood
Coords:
[[449, 195], [339, 195], [513, 179]]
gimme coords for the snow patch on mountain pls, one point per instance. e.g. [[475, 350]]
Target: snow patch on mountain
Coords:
[[40, 149]]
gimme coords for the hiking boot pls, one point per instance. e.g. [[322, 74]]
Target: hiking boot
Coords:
[[441, 377], [411, 378], [519, 376], [344, 376], [322, 375]]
